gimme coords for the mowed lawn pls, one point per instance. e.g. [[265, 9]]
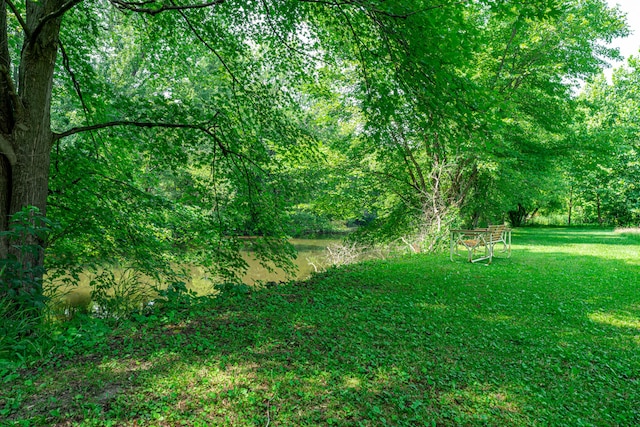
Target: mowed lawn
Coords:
[[548, 337]]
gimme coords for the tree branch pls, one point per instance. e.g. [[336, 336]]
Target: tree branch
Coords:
[[204, 42], [21, 21], [392, 177], [281, 37], [514, 31], [359, 46], [140, 124], [359, 3], [7, 149], [13, 94], [53, 15], [207, 130], [76, 85], [138, 7]]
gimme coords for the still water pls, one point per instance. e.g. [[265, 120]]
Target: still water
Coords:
[[311, 254]]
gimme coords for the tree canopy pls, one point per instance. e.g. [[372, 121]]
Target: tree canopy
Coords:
[[164, 132]]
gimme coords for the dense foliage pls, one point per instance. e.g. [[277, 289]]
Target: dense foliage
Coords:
[[158, 135], [604, 172]]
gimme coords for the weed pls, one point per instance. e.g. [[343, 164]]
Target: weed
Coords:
[[119, 294]]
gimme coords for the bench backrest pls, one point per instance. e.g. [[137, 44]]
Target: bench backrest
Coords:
[[495, 232]]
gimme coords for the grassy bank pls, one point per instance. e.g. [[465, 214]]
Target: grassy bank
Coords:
[[550, 336]]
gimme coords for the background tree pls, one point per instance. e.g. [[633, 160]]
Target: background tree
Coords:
[[604, 168], [483, 132]]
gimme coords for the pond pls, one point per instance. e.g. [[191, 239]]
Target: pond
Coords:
[[311, 253]]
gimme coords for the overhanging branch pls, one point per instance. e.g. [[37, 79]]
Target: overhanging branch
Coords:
[[204, 128], [359, 3], [142, 7], [206, 44], [76, 85], [116, 123]]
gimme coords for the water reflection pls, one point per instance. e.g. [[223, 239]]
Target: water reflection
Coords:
[[310, 254]]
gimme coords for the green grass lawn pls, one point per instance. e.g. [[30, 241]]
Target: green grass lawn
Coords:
[[549, 337]]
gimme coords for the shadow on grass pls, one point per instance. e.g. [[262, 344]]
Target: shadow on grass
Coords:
[[536, 339]]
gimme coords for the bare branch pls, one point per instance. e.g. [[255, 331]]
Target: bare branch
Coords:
[[139, 7], [21, 21]]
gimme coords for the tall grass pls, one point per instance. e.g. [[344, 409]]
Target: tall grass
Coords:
[[19, 339]]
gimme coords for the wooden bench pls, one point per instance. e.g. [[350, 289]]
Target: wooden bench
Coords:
[[480, 238]]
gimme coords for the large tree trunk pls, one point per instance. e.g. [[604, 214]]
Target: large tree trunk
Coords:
[[25, 124]]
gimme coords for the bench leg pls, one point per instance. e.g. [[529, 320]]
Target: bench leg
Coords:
[[451, 243]]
